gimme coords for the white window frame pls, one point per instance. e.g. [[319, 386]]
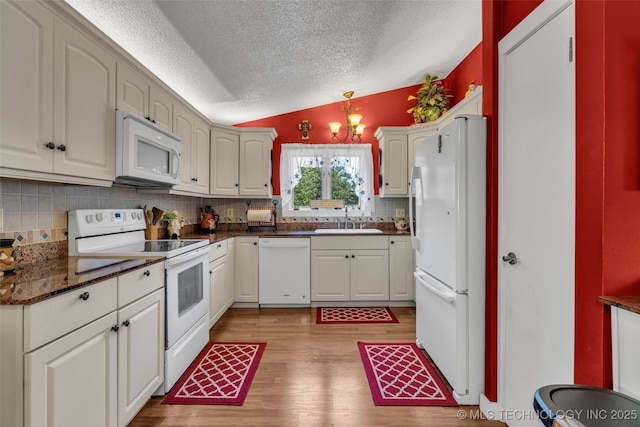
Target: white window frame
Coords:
[[288, 169]]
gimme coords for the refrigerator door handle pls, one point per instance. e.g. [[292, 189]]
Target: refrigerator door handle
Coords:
[[416, 181], [448, 296]]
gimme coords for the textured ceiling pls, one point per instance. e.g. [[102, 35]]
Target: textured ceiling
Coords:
[[237, 61]]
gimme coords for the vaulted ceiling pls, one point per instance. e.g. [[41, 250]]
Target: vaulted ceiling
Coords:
[[241, 60]]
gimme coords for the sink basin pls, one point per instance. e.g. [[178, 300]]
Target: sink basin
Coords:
[[348, 231]]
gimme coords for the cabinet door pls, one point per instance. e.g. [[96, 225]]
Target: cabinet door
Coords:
[[217, 295], [394, 166], [132, 91], [224, 163], [401, 267], [255, 165], [330, 275], [246, 269], [200, 159], [369, 275], [161, 108], [230, 279], [72, 381], [26, 84], [84, 106], [140, 353], [183, 127]]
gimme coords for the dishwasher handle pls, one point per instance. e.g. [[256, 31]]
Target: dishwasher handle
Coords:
[[285, 243]]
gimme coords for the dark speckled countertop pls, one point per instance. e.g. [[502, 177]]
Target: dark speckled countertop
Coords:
[[227, 234], [630, 303], [37, 281], [32, 283]]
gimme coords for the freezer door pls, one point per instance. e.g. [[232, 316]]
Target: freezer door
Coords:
[[442, 329], [437, 209]]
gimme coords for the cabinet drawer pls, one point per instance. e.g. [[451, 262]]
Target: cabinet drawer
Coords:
[[50, 319], [217, 249], [349, 242], [139, 283]]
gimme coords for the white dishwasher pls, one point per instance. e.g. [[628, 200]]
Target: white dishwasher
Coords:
[[284, 271]]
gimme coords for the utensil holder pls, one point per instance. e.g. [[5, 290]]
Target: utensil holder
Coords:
[[151, 232]]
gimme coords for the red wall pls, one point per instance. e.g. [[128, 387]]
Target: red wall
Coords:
[[608, 138], [381, 109], [607, 171]]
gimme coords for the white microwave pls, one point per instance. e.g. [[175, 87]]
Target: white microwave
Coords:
[[146, 155]]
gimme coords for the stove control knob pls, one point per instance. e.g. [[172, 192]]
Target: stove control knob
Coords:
[[139, 216], [99, 217], [89, 219], [133, 215]]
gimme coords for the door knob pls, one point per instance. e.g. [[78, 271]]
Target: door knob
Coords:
[[62, 147], [510, 258]]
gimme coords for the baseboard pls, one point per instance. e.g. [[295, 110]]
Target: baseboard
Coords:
[[490, 409]]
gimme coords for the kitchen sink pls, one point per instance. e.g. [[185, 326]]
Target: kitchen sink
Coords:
[[348, 231]]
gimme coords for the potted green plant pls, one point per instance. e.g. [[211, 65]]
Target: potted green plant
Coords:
[[431, 99]]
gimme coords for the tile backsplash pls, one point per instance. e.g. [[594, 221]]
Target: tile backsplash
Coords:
[[36, 212]]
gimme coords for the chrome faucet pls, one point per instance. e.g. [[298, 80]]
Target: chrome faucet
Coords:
[[346, 217]]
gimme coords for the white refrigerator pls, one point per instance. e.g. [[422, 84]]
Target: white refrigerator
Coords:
[[448, 205]]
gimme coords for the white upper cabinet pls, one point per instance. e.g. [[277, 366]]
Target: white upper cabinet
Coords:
[[255, 163], [57, 117], [26, 84], [225, 149], [393, 163], [84, 106], [195, 150], [135, 93], [241, 161], [161, 108], [132, 92]]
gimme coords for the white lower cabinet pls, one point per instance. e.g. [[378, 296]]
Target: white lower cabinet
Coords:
[[220, 279], [72, 381], [369, 275], [401, 267], [330, 275], [349, 268], [246, 269], [101, 370], [140, 353]]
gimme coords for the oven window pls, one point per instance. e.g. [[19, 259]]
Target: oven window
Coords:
[[190, 288]]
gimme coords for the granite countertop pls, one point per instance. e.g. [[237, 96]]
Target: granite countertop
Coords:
[[36, 282], [630, 303], [227, 234]]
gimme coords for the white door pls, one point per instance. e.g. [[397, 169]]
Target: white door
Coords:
[[536, 207]]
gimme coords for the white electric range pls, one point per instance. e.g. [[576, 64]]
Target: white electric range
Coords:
[[111, 232]]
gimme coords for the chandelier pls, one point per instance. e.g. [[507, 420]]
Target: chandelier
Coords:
[[354, 127]]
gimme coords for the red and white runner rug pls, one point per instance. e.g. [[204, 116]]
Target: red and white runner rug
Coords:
[[399, 374], [355, 315], [220, 375]]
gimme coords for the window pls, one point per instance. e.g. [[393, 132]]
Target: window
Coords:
[[310, 173]]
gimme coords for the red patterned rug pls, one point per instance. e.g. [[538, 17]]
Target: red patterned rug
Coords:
[[220, 375], [399, 374], [355, 315]]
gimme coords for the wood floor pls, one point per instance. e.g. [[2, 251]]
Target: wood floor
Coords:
[[309, 375]]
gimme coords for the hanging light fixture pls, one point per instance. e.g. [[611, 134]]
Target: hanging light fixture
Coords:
[[354, 127]]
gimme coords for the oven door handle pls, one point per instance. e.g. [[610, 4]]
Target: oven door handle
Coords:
[[189, 256]]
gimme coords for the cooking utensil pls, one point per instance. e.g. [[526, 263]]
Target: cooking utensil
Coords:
[[157, 215]]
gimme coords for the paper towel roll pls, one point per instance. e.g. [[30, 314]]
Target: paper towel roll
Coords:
[[259, 215]]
